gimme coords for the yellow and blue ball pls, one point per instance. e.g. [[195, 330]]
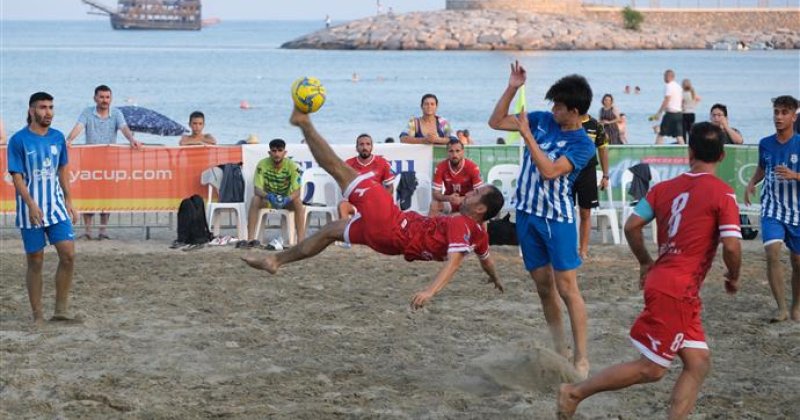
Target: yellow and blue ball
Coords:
[[308, 94]]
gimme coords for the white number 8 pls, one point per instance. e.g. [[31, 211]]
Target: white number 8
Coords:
[[678, 204], [677, 342]]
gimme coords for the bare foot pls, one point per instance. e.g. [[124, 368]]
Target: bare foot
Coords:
[[566, 403], [795, 312], [65, 317], [267, 263], [38, 319], [582, 368], [782, 315]]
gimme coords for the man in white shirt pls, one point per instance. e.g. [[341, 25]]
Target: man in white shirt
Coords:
[[671, 109]]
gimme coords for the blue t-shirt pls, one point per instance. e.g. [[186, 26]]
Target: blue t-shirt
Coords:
[[101, 130], [779, 198], [552, 199], [38, 159]]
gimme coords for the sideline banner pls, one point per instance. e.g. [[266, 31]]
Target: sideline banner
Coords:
[[670, 161], [403, 157], [118, 178]]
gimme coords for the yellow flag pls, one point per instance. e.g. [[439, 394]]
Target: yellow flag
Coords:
[[514, 137]]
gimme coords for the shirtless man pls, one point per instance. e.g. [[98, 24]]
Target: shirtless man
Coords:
[[197, 122]]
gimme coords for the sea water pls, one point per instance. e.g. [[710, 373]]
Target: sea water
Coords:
[[215, 69]]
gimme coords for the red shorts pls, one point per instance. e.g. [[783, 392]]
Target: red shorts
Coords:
[[379, 222], [667, 325]]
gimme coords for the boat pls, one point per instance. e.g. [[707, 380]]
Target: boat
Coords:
[[182, 15]]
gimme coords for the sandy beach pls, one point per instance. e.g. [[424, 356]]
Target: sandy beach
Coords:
[[171, 334]]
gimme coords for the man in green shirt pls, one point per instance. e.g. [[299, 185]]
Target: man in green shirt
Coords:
[[277, 186]]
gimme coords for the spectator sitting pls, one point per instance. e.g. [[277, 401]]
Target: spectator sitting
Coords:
[[719, 117], [367, 162], [277, 186], [430, 128], [453, 179], [501, 140], [389, 140], [197, 121]]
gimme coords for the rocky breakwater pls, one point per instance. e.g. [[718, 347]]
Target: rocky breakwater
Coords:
[[508, 30]]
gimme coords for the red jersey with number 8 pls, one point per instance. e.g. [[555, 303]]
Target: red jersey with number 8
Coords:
[[693, 212]]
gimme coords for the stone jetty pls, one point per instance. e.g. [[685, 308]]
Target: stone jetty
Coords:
[[509, 30]]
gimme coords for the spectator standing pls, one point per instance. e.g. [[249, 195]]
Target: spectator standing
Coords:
[[622, 124], [101, 123], [429, 128], [719, 117], [609, 119], [276, 185], [37, 162], [453, 179], [366, 162], [197, 122], [779, 167], [552, 159], [689, 102], [327, 21], [585, 187], [671, 109]]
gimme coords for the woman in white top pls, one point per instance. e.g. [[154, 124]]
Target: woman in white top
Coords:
[[689, 103]]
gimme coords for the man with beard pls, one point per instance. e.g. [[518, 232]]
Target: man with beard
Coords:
[[363, 163], [37, 162], [453, 179]]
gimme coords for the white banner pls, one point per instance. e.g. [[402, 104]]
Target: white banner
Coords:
[[402, 157]]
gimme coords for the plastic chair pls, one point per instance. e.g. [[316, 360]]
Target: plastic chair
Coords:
[[288, 230], [326, 194], [421, 200], [505, 177], [212, 178], [627, 210], [606, 214]]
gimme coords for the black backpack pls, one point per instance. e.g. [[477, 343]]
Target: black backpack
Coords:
[[502, 231], [748, 232], [192, 224]]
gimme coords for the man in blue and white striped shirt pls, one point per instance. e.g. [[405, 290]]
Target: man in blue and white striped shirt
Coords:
[[557, 148], [37, 162], [779, 167]]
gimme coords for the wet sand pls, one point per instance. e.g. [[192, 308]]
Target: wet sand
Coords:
[[171, 334]]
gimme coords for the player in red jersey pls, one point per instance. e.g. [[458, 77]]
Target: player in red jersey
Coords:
[[694, 211], [367, 162], [382, 226], [453, 179]]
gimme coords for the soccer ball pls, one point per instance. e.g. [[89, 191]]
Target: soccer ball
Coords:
[[308, 94]]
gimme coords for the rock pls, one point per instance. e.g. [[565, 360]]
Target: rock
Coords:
[[504, 30]]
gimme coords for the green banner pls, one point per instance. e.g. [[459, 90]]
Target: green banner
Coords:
[[668, 160]]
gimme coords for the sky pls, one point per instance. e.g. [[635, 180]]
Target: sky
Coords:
[[224, 9]]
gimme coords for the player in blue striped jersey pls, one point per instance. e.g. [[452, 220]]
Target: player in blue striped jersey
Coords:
[[37, 162], [779, 167], [557, 148]]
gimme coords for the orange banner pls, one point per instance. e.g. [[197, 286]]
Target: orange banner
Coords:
[[118, 178]]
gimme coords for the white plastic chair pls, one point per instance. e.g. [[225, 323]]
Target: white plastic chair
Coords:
[[421, 200], [504, 177], [286, 223], [627, 210], [326, 194], [212, 178], [606, 213]]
